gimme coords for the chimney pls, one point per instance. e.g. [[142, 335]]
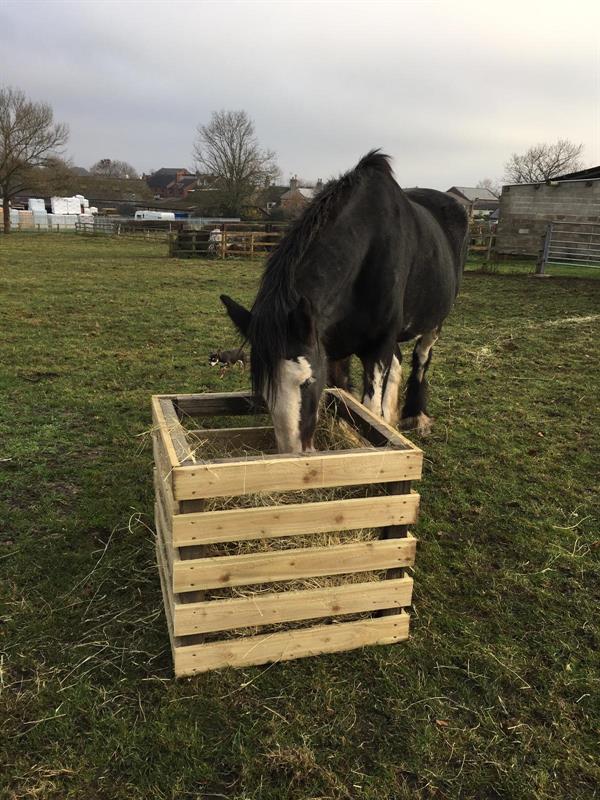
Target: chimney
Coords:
[[294, 183]]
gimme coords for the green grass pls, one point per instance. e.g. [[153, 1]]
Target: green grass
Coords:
[[527, 266], [496, 694]]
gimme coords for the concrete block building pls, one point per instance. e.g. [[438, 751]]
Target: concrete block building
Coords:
[[526, 209]]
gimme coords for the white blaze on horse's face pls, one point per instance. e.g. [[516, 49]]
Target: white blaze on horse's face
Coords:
[[286, 410]]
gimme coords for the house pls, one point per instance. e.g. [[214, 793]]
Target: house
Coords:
[[270, 197], [160, 180], [188, 184], [297, 197], [526, 209], [479, 202]]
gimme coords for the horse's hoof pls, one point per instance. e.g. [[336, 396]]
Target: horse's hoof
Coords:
[[421, 423]]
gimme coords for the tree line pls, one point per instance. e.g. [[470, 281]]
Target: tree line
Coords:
[[226, 147]]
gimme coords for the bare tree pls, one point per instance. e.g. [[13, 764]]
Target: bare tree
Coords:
[[29, 138], [109, 168], [543, 162], [57, 176], [228, 148], [491, 185]]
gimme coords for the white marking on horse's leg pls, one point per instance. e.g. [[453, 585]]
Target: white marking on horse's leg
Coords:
[[423, 349], [373, 402], [288, 403], [392, 388]]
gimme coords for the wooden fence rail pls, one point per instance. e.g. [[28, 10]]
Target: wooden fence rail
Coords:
[[199, 244]]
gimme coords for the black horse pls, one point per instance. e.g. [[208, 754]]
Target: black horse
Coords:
[[365, 267]]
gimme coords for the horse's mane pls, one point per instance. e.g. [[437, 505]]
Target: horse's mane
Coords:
[[277, 296]]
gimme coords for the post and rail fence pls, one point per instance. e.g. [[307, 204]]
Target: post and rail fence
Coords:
[[482, 239], [229, 243]]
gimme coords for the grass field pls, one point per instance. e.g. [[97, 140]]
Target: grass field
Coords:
[[496, 694]]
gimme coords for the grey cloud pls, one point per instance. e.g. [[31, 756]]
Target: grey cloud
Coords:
[[449, 89]]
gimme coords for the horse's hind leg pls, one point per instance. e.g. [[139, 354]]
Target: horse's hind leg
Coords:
[[414, 413], [381, 382], [391, 389]]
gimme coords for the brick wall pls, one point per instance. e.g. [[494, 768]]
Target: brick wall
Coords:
[[526, 210]]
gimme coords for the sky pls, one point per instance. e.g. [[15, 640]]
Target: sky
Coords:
[[448, 89]]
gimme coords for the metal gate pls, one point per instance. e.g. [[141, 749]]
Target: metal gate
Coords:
[[571, 244]]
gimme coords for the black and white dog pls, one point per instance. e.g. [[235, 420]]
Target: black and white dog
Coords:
[[227, 358]]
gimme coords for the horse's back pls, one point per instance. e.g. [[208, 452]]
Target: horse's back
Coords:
[[437, 263], [449, 214]]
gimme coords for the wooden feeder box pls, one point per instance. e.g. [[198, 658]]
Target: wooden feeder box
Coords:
[[200, 625]]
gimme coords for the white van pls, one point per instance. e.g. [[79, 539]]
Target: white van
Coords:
[[166, 215]]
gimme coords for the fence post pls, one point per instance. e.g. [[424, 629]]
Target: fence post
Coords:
[[491, 240], [545, 250], [223, 244]]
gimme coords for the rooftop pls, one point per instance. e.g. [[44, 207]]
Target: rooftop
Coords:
[[473, 193]]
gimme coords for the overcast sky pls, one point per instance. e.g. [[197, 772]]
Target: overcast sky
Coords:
[[449, 89]]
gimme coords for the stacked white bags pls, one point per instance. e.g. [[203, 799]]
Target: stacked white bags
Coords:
[[40, 220], [62, 221], [59, 205]]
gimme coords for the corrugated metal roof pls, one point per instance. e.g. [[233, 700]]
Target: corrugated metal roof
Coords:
[[473, 193]]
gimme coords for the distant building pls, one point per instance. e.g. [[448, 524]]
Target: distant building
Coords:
[[479, 202], [101, 191], [189, 184], [178, 182], [160, 180], [591, 173], [526, 209], [297, 197]]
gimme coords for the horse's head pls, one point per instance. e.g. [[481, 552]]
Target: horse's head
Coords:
[[288, 370]]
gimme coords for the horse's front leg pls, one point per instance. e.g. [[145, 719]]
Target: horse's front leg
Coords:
[[382, 373], [414, 413]]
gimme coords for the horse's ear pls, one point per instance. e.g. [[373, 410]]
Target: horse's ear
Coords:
[[239, 315], [303, 323]]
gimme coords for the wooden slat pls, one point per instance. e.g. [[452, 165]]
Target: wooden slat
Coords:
[[164, 473], [161, 428], [226, 403], [282, 565], [161, 461], [287, 645], [395, 531], [167, 600], [260, 437], [171, 555], [224, 477], [159, 499], [163, 483], [372, 427], [176, 432], [267, 609], [241, 524]]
